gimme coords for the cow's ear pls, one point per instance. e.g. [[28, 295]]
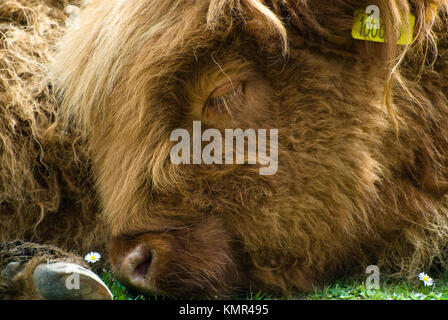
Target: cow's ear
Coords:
[[428, 15], [334, 22], [411, 30]]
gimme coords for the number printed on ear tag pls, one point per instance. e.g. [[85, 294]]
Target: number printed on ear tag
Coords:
[[365, 27]]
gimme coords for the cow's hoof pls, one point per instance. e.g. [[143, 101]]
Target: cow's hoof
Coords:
[[68, 281]]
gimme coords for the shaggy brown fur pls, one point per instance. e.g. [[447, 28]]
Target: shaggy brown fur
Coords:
[[363, 144], [45, 190], [45, 193]]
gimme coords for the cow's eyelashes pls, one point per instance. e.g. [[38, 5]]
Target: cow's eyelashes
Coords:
[[223, 103], [219, 105]]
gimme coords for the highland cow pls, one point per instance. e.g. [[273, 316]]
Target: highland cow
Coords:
[[86, 116]]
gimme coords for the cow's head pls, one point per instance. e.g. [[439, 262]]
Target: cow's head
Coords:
[[137, 70]]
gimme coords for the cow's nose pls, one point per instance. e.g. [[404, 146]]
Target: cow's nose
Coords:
[[137, 267]]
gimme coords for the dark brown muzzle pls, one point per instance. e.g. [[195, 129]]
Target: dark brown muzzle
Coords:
[[193, 261]]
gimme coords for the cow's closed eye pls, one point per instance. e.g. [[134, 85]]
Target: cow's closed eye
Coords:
[[223, 100]]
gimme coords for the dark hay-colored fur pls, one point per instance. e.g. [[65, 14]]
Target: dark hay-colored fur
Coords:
[[363, 141], [45, 191]]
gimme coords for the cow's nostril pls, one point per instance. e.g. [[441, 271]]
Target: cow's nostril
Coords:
[[142, 269], [136, 267]]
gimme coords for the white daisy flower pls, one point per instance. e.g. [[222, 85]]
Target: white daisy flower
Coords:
[[427, 280], [92, 257]]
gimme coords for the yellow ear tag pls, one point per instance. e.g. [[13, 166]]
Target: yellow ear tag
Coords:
[[368, 27]]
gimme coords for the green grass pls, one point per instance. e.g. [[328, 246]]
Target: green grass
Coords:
[[119, 291], [389, 290], [341, 290]]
